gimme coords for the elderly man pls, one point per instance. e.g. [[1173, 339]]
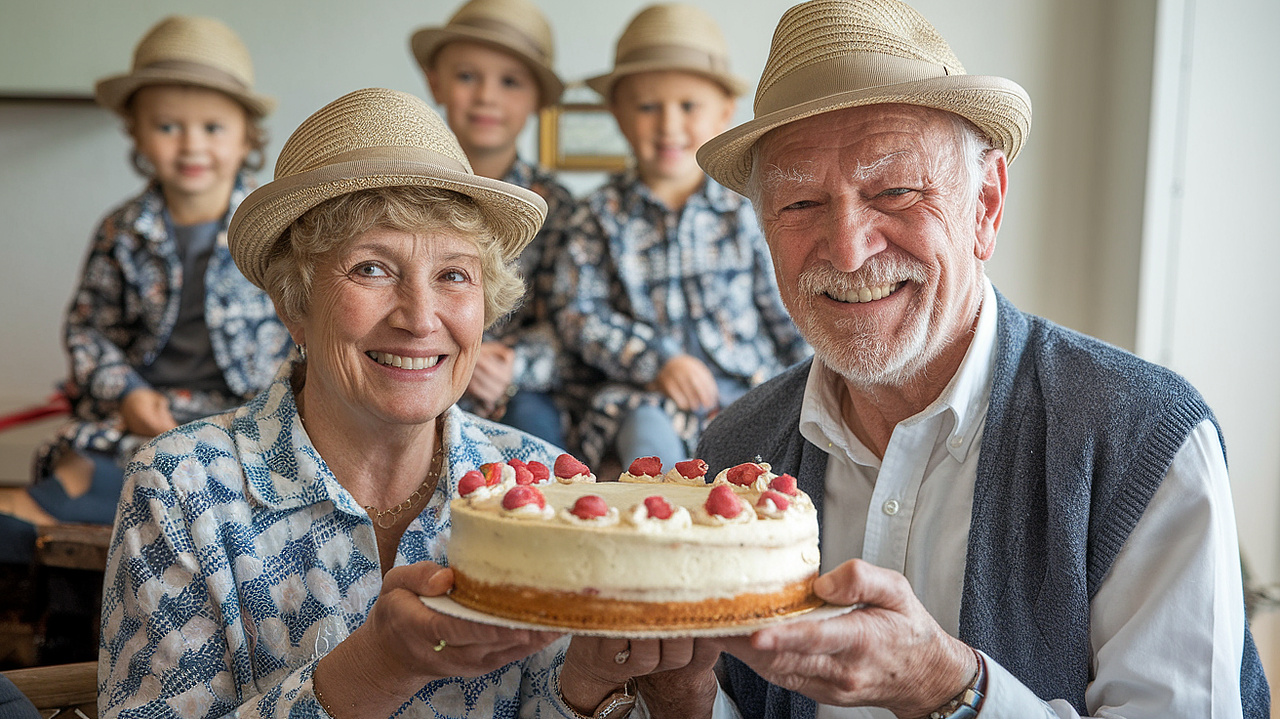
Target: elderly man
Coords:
[[1036, 524]]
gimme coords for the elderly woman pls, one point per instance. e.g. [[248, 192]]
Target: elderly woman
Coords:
[[268, 561]]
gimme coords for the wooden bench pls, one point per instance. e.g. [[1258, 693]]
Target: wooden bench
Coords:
[[62, 690], [75, 557], [73, 546]]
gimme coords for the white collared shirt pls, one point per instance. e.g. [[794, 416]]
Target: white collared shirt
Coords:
[[1166, 627]]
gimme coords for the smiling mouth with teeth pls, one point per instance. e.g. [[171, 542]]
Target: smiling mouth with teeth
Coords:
[[866, 294], [391, 360]]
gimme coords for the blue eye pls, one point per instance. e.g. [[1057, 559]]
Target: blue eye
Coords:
[[213, 128], [688, 107]]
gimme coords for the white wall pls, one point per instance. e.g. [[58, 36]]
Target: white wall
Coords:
[[1219, 325]]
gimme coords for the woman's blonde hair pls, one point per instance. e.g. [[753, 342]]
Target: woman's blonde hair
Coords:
[[420, 210]]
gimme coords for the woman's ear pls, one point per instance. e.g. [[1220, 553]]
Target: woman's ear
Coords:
[[297, 330]]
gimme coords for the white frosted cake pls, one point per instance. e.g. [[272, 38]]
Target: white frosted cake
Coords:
[[660, 551]]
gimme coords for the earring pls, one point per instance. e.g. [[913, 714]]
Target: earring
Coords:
[[302, 352]]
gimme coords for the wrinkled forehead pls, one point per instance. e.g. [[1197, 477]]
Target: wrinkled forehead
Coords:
[[865, 140]]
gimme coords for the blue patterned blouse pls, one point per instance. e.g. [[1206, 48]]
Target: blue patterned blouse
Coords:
[[238, 560]]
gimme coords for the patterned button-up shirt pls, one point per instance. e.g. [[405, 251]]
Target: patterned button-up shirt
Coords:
[[238, 560], [529, 329], [125, 309], [637, 279]]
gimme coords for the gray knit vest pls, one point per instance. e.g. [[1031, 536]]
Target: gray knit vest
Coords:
[[1078, 437]]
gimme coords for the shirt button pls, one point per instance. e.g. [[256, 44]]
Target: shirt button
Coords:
[[957, 440], [891, 507]]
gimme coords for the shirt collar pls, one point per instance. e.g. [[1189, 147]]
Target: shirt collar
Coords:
[[282, 468], [709, 194], [965, 396], [151, 221]]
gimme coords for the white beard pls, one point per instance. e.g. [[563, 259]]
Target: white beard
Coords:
[[855, 348]]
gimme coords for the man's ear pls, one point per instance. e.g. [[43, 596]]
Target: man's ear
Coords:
[[990, 205]]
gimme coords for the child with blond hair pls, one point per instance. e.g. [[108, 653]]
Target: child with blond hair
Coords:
[[490, 67], [163, 329], [666, 284]]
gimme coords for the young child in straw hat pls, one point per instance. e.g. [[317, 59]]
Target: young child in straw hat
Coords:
[[666, 281], [489, 68], [163, 328]]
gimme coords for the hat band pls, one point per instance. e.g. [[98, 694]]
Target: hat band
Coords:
[[388, 154], [680, 55], [198, 69], [513, 35], [847, 73]]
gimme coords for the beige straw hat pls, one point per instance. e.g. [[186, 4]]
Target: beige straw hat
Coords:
[[514, 26], [366, 139], [832, 54], [182, 50], [671, 37]]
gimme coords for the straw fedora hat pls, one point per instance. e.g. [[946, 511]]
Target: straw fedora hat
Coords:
[[671, 37], [366, 139], [514, 26], [183, 50], [833, 54]]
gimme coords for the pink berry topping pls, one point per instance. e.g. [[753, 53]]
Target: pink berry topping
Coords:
[[470, 482], [590, 506], [539, 471], [523, 475], [692, 468], [785, 484], [779, 500], [492, 472], [567, 466], [723, 502], [645, 467], [744, 474], [521, 495], [658, 507]]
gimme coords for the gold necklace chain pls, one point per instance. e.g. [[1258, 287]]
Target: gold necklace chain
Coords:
[[394, 512]]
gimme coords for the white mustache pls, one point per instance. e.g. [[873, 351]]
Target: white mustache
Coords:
[[876, 272]]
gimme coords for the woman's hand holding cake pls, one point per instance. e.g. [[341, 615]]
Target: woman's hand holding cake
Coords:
[[597, 668], [404, 645]]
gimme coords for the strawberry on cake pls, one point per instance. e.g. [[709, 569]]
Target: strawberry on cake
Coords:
[[640, 555]]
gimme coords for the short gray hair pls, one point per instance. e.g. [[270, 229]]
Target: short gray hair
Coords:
[[974, 146]]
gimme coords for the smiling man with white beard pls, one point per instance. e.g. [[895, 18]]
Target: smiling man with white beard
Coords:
[[1037, 524]]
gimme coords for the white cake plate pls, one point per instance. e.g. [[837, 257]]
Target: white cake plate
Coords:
[[446, 605]]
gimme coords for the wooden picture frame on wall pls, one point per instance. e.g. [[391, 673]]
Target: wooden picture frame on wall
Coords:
[[580, 136]]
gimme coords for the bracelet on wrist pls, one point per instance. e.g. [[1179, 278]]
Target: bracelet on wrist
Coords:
[[615, 706], [968, 702]]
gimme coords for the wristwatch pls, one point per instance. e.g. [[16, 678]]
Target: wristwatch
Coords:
[[615, 706], [967, 703]]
